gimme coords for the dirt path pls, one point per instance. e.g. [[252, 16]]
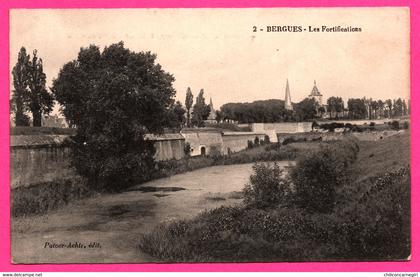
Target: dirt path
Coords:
[[115, 222]]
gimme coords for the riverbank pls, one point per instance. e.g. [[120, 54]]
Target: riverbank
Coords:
[[364, 215], [40, 198], [117, 221]]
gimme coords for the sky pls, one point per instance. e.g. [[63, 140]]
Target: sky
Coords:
[[217, 50]]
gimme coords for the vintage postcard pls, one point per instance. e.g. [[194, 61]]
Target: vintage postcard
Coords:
[[210, 135]]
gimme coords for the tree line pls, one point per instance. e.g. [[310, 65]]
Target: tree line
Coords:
[[273, 110]]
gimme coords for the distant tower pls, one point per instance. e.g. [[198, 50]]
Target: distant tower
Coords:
[[287, 99], [315, 94]]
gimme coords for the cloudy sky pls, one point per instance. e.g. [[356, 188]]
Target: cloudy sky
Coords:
[[217, 50]]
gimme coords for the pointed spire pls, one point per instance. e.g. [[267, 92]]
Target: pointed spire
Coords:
[[287, 98]]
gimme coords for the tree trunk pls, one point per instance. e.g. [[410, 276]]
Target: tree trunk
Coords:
[[36, 118]]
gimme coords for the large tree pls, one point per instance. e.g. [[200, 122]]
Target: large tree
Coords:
[[357, 108], [200, 110], [306, 109], [176, 116], [335, 105], [20, 92], [40, 100], [188, 104], [114, 97]]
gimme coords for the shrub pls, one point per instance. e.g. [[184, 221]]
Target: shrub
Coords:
[[215, 152], [266, 139], [256, 141], [377, 224], [250, 144], [395, 124], [406, 125], [187, 149], [317, 174], [267, 187], [45, 196]]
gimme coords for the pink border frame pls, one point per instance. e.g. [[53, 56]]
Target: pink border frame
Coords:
[[5, 264]]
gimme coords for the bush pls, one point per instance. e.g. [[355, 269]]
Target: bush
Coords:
[[250, 144], [267, 187], [317, 174], [45, 196], [256, 141], [395, 124], [377, 224], [266, 139], [187, 149], [215, 152], [406, 125]]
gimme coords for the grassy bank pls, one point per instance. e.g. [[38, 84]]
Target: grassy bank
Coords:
[[42, 197], [368, 219]]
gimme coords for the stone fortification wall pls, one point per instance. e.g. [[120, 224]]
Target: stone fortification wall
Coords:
[[281, 127], [237, 141], [203, 140], [42, 158]]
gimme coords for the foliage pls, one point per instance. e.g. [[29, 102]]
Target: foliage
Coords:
[[250, 144], [395, 124], [187, 149], [40, 101], [42, 197], [371, 224], [318, 174], [188, 104], [256, 141], [30, 93], [357, 108], [200, 110], [335, 105], [176, 118], [306, 109], [26, 131], [20, 83], [271, 110], [266, 187], [114, 98]]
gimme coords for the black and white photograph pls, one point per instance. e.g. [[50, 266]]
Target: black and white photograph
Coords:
[[209, 135]]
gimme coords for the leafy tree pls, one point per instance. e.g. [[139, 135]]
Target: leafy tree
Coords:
[[335, 105], [220, 116], [405, 109], [398, 107], [176, 118], [266, 186], [374, 106], [306, 109], [76, 80], [20, 92], [200, 110], [321, 111], [381, 106], [357, 108], [40, 101], [188, 104], [388, 103], [114, 98], [271, 110]]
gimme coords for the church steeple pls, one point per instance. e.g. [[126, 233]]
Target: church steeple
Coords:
[[287, 98]]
